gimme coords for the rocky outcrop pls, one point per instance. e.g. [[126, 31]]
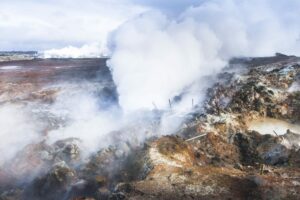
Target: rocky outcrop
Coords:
[[216, 154], [230, 161], [54, 184]]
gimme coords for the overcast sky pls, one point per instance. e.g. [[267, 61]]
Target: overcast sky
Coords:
[[46, 24]]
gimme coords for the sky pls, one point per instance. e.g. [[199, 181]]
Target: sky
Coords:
[[46, 24], [66, 24]]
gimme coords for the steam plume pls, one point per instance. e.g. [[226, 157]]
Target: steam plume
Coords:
[[156, 56], [166, 52]]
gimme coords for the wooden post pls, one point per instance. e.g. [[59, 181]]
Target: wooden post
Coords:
[[170, 104], [193, 138], [192, 103], [276, 133], [261, 169]]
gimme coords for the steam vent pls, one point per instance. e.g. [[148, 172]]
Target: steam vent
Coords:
[[150, 100], [243, 143]]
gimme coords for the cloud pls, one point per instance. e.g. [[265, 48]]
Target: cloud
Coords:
[[41, 25], [169, 7]]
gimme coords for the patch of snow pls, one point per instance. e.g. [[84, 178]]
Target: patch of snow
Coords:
[[13, 67]]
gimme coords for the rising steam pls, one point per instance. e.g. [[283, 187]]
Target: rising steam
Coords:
[[17, 131], [93, 50], [166, 52], [157, 56]]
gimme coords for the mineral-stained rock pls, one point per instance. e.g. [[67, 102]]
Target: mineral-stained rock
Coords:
[[38, 158], [12, 194], [174, 178], [53, 185], [67, 150], [294, 159], [171, 151], [175, 174], [32, 160], [215, 149], [273, 152], [247, 144], [174, 169], [256, 148], [291, 140], [294, 105]]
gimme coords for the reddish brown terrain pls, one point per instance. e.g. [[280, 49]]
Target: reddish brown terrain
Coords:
[[242, 143], [26, 79]]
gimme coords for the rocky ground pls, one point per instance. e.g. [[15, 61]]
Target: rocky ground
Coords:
[[223, 151], [6, 56]]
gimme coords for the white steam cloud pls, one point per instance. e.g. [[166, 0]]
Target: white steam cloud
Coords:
[[161, 59], [93, 50], [85, 120], [168, 51], [17, 131], [156, 56]]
